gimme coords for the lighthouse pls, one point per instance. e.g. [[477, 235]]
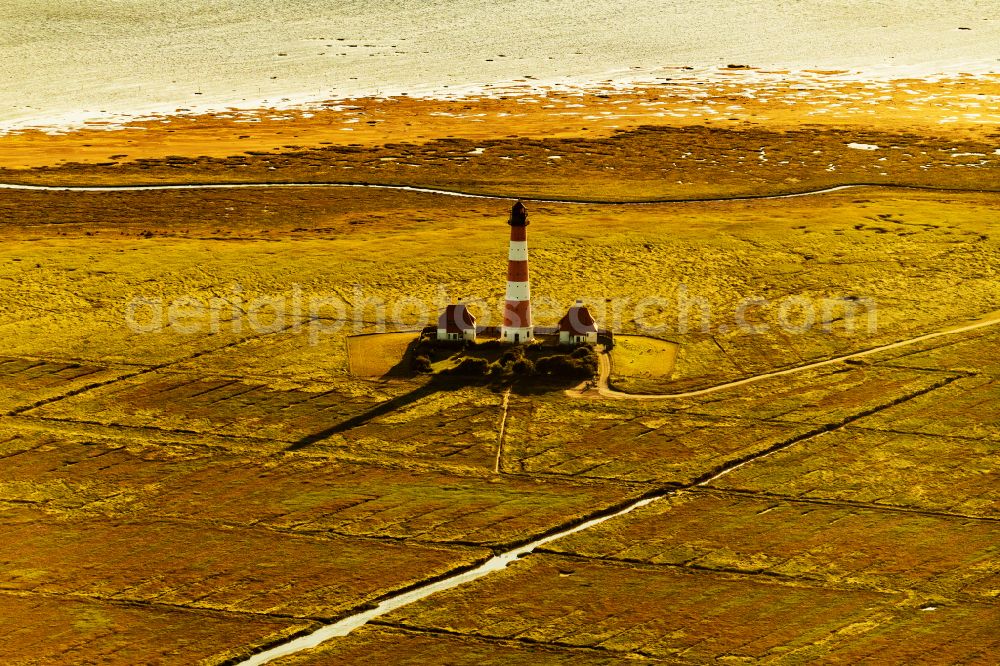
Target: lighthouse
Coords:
[[517, 306]]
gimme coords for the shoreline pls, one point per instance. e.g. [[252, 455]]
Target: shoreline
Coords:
[[735, 100], [616, 81]]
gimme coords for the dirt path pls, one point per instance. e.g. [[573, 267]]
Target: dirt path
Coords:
[[602, 389]]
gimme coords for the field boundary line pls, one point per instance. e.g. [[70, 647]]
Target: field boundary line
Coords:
[[838, 503], [503, 430]]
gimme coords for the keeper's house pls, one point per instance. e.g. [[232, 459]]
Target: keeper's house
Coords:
[[577, 326], [456, 323]]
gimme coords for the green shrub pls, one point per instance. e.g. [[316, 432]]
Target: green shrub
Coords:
[[567, 367], [522, 367], [421, 364], [511, 355], [471, 365]]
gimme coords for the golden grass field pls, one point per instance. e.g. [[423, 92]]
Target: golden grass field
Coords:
[[376, 355], [243, 470], [642, 364]]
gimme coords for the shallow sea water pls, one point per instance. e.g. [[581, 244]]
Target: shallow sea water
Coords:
[[63, 61]]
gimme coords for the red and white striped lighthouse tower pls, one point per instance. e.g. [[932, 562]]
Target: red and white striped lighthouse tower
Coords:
[[517, 307]]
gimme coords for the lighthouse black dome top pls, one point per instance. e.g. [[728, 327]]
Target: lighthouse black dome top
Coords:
[[518, 215]]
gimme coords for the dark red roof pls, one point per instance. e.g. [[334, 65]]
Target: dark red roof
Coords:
[[456, 319], [578, 321]]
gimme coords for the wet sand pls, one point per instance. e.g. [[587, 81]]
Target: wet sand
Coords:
[[396, 140], [63, 62]]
